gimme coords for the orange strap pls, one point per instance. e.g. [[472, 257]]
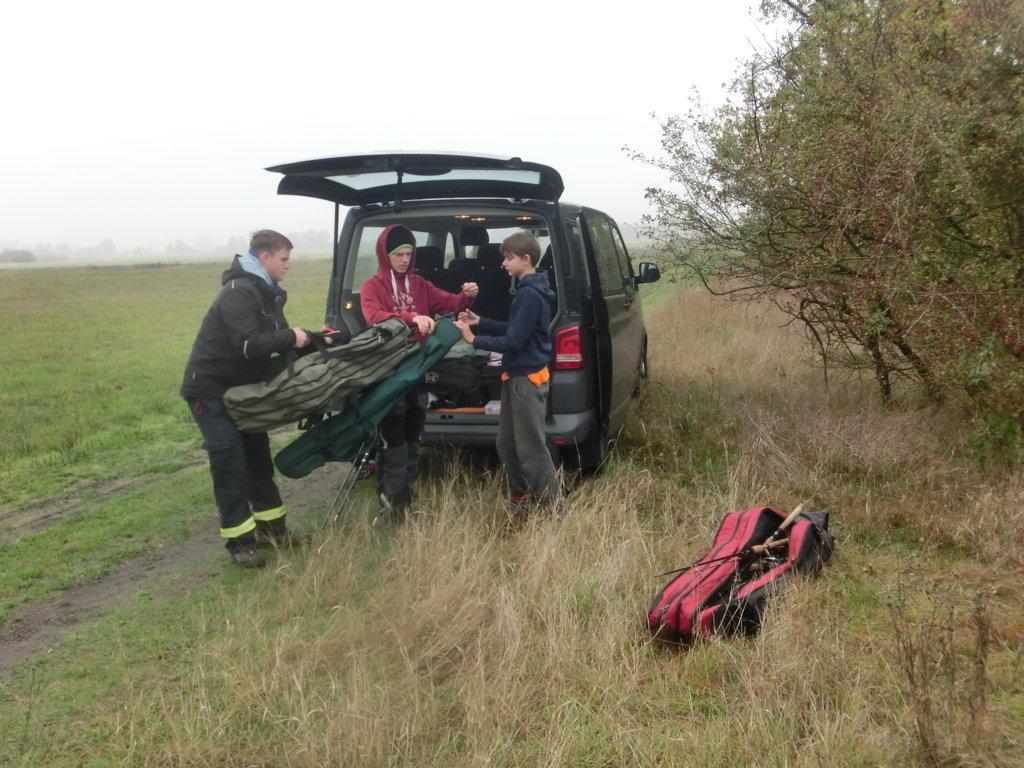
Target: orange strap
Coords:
[[537, 378]]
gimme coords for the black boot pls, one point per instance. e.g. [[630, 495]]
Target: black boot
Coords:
[[412, 462], [243, 552], [392, 472], [276, 534]]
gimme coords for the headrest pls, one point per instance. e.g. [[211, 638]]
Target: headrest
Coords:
[[545, 260], [474, 235], [464, 265], [429, 258], [489, 256]]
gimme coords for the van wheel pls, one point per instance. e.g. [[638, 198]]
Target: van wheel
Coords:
[[643, 370]]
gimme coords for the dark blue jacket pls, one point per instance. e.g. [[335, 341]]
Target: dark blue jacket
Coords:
[[524, 340]]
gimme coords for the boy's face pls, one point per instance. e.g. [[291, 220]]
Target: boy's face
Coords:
[[516, 264], [276, 263], [400, 260]]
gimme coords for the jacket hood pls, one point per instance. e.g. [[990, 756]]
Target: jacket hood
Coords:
[[383, 264], [538, 281], [236, 272]]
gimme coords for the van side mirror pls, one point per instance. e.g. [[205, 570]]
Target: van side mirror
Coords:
[[649, 273]]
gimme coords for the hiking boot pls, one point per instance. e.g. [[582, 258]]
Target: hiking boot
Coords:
[[519, 504], [248, 558], [276, 534], [388, 511]]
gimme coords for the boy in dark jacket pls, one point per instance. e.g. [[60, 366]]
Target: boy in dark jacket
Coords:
[[243, 328], [397, 291], [525, 344]]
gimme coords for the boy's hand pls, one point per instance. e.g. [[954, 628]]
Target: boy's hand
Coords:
[[301, 338], [467, 335], [424, 324], [470, 289], [469, 317]]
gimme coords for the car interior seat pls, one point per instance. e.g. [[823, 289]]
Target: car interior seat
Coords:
[[473, 235], [429, 259], [494, 299], [547, 264]]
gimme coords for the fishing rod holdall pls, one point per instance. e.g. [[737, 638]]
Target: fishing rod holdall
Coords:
[[755, 554]]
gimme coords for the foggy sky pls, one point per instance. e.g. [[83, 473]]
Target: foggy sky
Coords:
[[147, 123]]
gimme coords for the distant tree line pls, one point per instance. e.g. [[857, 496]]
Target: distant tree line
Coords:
[[867, 176], [16, 256], [305, 241], [310, 241]]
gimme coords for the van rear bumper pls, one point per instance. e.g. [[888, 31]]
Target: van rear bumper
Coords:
[[570, 427]]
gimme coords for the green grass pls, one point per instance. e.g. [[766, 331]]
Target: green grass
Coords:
[[653, 294], [94, 360], [86, 545], [89, 395], [456, 640], [97, 401], [109, 662]]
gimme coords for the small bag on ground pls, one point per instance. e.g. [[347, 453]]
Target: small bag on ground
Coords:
[[726, 591]]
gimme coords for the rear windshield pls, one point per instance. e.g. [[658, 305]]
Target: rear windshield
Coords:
[[390, 178], [445, 242], [452, 249]]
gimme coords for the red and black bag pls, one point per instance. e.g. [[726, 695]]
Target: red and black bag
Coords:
[[726, 591]]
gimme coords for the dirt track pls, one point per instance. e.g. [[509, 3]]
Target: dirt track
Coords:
[[42, 514], [36, 626]]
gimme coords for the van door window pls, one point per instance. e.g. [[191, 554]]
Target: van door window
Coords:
[[608, 270], [624, 263], [365, 265], [573, 271]]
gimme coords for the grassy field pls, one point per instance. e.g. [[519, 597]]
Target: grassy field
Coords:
[[459, 639], [89, 405]]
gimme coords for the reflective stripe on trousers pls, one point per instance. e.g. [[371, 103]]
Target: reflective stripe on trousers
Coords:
[[266, 515], [239, 530]]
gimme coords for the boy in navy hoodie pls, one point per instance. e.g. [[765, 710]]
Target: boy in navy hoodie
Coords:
[[525, 344]]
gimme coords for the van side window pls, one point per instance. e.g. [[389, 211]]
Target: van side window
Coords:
[[364, 265], [574, 269], [624, 263], [608, 270]]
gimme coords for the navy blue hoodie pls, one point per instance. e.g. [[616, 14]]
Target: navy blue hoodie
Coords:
[[524, 341]]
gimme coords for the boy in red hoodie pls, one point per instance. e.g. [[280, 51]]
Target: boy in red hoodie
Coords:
[[396, 291]]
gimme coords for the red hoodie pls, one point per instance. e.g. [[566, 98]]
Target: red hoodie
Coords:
[[389, 294]]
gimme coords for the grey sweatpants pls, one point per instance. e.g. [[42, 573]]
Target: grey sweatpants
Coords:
[[522, 444]]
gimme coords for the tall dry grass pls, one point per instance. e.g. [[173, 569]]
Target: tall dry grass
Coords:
[[459, 639]]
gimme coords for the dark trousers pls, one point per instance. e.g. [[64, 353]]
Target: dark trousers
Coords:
[[523, 442], [400, 433], [243, 475]]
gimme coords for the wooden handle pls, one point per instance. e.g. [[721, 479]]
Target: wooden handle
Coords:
[[758, 549], [788, 521]]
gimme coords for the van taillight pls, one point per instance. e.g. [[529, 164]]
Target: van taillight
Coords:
[[568, 349]]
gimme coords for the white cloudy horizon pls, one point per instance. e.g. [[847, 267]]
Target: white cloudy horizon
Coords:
[[146, 125]]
